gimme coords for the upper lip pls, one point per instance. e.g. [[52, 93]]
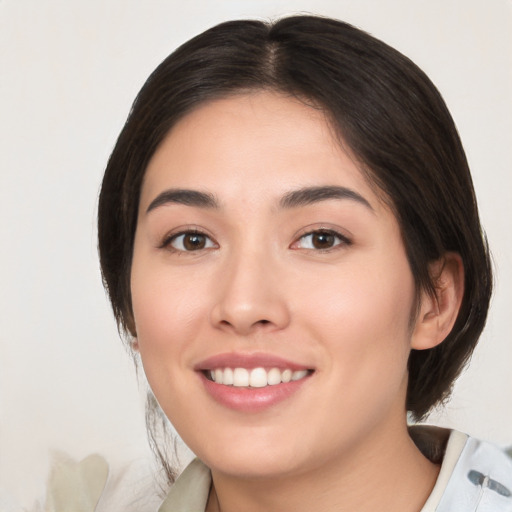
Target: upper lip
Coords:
[[249, 361]]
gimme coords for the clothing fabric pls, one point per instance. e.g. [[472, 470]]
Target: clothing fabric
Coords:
[[475, 476]]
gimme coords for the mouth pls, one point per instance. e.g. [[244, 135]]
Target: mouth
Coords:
[[252, 383], [259, 377]]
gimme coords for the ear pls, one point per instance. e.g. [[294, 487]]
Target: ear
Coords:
[[438, 312], [134, 344]]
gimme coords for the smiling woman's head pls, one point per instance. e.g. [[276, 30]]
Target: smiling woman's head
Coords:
[[384, 113]]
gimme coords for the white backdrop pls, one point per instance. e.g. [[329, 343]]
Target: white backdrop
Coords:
[[69, 71]]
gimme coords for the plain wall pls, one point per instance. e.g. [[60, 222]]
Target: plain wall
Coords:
[[69, 71]]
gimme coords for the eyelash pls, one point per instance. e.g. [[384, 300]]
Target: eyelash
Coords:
[[170, 239], [337, 238]]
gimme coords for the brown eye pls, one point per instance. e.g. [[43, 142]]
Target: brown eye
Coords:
[[188, 242], [321, 240], [194, 242]]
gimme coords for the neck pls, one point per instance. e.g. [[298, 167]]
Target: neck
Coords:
[[385, 475]]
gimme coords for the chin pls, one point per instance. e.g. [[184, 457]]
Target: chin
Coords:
[[255, 467], [255, 456]]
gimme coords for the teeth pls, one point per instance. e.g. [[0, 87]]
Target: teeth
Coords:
[[240, 377], [286, 376], [258, 378], [227, 377], [255, 378], [274, 377], [299, 375]]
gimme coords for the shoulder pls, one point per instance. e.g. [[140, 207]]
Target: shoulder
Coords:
[[475, 476], [190, 491], [481, 479]]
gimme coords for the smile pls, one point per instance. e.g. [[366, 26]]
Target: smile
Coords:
[[255, 377], [252, 383]]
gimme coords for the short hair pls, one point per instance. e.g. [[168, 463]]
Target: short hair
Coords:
[[384, 109]]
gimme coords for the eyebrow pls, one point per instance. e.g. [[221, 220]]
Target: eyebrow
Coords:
[[311, 195], [185, 197], [294, 199]]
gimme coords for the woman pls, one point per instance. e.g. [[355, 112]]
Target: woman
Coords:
[[289, 237]]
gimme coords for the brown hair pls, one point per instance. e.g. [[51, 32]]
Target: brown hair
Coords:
[[385, 110]]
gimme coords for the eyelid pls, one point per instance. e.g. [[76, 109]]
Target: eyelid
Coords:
[[344, 239], [169, 237]]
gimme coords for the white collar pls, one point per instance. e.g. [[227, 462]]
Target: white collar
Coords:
[[481, 480]]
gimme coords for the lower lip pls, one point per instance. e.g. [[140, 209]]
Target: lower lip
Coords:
[[252, 399]]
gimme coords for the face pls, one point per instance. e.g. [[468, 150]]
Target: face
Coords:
[[271, 291]]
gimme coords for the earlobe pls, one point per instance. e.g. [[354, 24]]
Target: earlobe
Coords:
[[438, 312]]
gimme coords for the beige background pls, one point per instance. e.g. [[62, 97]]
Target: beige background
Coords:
[[69, 71]]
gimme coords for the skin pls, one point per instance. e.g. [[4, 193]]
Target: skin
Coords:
[[260, 285]]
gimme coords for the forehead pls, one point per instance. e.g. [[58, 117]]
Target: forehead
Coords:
[[252, 146]]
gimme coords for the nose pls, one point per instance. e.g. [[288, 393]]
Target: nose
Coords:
[[249, 297]]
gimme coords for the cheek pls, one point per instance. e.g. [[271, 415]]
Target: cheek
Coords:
[[166, 311], [364, 316], [164, 298], [166, 322], [359, 295]]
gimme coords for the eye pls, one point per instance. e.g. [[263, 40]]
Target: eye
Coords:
[[321, 240], [189, 241]]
